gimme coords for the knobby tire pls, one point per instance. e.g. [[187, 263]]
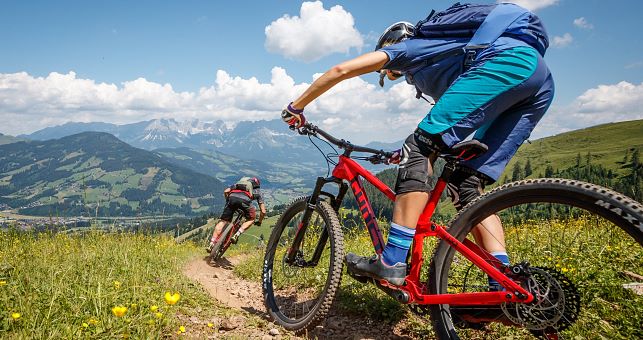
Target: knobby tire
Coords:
[[334, 274]]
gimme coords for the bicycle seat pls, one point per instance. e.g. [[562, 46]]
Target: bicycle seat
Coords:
[[467, 150]]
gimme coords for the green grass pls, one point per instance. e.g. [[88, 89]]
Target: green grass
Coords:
[[606, 143], [65, 286]]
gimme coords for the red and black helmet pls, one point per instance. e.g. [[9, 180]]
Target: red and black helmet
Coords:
[[255, 182]]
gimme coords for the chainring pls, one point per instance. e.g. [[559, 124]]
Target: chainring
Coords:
[[555, 307]]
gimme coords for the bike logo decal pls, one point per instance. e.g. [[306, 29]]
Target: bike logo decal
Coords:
[[633, 220], [368, 215]]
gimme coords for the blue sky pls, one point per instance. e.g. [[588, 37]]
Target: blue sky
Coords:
[[175, 51]]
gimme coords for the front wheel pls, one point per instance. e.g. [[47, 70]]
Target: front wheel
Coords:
[[583, 245], [299, 293]]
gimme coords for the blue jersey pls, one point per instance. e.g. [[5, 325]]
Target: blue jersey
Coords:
[[410, 57]]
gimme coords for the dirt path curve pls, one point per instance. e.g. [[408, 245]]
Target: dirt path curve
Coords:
[[220, 282]]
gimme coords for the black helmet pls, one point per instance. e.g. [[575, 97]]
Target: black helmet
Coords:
[[255, 182], [395, 33]]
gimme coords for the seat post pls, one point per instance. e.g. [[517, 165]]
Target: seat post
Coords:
[[449, 167]]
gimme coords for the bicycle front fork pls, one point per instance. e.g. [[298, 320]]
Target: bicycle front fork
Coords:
[[336, 202]]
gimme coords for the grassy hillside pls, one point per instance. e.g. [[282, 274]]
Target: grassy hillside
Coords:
[[95, 173], [66, 287], [606, 143]]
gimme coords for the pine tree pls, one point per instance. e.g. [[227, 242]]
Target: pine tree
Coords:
[[549, 171], [528, 170], [517, 172]]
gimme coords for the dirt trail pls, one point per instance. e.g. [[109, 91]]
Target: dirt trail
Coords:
[[220, 282]]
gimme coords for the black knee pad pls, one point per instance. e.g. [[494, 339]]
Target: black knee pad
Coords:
[[465, 185]]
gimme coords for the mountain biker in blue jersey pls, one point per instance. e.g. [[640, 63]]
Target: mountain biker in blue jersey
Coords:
[[500, 92], [239, 197]]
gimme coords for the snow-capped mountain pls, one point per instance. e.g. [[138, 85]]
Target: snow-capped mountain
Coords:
[[269, 141]]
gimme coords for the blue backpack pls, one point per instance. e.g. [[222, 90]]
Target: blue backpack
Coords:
[[483, 24]]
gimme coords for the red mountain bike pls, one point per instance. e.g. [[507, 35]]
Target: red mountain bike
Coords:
[[225, 239], [569, 241]]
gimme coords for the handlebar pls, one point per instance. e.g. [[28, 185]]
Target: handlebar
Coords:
[[379, 156]]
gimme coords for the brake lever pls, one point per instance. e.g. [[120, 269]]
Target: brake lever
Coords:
[[376, 159]]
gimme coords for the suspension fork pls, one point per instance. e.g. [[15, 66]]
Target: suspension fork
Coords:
[[308, 212]]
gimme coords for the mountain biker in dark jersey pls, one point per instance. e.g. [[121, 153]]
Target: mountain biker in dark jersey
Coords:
[[501, 97], [240, 200]]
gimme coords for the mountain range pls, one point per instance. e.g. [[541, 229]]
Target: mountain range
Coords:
[[267, 141]]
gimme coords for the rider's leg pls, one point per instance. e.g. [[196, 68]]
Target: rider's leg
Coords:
[[218, 228], [412, 195], [249, 212], [226, 217]]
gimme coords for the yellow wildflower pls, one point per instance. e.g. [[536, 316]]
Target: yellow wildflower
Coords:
[[564, 270], [134, 305], [210, 324], [2, 283], [85, 325], [154, 308], [15, 316], [182, 329], [119, 311], [172, 299], [93, 321], [158, 315], [117, 284]]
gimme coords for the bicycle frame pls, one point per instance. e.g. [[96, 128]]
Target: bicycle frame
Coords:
[[417, 292], [236, 225]]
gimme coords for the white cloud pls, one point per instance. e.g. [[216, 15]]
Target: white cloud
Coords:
[[354, 109], [314, 34], [583, 23], [563, 41], [29, 103], [532, 5], [600, 105]]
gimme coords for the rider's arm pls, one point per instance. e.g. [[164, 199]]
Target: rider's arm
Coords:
[[226, 192], [369, 62]]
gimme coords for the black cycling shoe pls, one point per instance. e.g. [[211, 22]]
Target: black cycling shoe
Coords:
[[234, 239], [373, 267], [208, 249]]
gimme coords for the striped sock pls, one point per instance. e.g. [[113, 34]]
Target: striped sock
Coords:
[[504, 258], [399, 242]]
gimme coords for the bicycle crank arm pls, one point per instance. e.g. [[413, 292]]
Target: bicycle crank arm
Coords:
[[399, 295]]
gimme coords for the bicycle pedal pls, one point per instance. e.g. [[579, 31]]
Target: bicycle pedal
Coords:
[[360, 278]]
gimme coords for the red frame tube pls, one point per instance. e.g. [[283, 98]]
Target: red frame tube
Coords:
[[348, 169]]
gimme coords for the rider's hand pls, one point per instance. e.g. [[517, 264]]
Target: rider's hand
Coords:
[[258, 223], [293, 117], [395, 158]]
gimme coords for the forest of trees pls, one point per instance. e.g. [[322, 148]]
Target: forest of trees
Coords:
[[628, 181]]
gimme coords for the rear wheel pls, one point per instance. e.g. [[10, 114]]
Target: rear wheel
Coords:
[[583, 245], [299, 294], [220, 245]]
